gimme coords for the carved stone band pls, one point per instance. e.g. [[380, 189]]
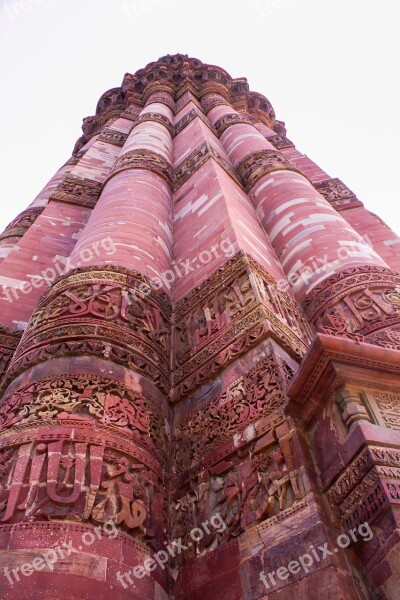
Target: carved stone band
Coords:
[[143, 159], [21, 224], [209, 103], [161, 97], [158, 118], [9, 340], [337, 194], [228, 120], [102, 312], [260, 163], [360, 303], [188, 118], [78, 190], [111, 136], [280, 141], [195, 160]]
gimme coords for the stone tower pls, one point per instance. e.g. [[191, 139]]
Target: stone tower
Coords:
[[200, 359]]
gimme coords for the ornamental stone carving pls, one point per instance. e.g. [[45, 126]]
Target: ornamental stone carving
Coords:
[[107, 312], [77, 190], [338, 194], [260, 163], [19, 226]]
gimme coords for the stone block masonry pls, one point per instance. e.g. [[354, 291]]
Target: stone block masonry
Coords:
[[199, 362]]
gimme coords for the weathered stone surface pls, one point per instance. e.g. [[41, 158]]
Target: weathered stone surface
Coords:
[[199, 362]]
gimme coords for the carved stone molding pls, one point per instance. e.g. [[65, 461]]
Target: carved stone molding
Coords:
[[358, 303], [9, 340], [371, 498], [20, 225], [384, 406], [78, 190], [186, 94], [334, 361], [254, 396], [74, 473], [76, 399], [143, 159], [280, 141], [104, 312], [238, 306], [228, 120], [195, 160], [256, 485], [131, 114], [260, 163], [111, 136], [337, 194], [188, 118], [155, 94], [211, 101], [157, 118], [360, 467]]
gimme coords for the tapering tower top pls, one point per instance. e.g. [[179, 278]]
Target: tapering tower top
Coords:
[[178, 73]]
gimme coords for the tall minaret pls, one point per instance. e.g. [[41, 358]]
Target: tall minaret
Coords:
[[199, 362]]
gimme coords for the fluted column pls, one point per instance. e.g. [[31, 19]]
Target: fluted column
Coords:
[[319, 251], [88, 385], [135, 207]]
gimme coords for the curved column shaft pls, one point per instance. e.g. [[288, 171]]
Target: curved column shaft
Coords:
[[131, 225], [321, 254], [87, 388]]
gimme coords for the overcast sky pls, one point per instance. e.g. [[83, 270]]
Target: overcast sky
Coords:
[[330, 70]]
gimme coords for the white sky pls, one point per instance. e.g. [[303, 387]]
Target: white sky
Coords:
[[330, 70]]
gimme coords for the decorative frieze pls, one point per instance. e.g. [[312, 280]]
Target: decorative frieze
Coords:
[[209, 102], [337, 194], [130, 113], [111, 136], [254, 396], [228, 120], [156, 118], [361, 491], [9, 340], [19, 226], [58, 473], [78, 190], [260, 163], [76, 399], [102, 311], [358, 303], [280, 141], [195, 160], [188, 118], [143, 159], [385, 408], [237, 307], [150, 95]]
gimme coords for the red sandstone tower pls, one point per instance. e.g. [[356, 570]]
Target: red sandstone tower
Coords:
[[199, 361]]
